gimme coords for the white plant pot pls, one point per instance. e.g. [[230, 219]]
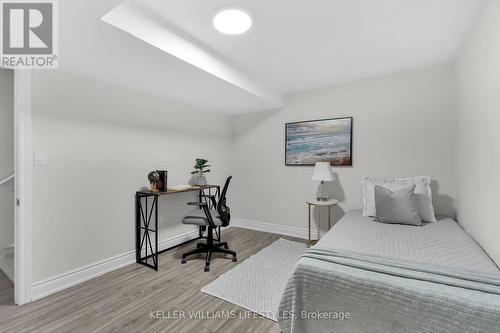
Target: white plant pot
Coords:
[[200, 180]]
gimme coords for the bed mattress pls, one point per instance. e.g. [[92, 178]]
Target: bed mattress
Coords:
[[443, 243], [392, 278]]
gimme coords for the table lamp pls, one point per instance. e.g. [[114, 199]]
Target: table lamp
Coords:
[[323, 173]]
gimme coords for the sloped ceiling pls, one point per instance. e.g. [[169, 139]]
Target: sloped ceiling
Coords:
[[169, 47]]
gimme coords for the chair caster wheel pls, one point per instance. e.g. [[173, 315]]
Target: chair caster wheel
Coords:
[[183, 260], [207, 268], [235, 259]]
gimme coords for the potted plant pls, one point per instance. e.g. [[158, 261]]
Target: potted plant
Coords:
[[200, 168]]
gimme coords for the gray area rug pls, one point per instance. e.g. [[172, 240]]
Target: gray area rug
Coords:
[[258, 282]]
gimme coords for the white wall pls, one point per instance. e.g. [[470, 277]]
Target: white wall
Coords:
[[101, 141], [401, 128], [6, 158], [478, 131]]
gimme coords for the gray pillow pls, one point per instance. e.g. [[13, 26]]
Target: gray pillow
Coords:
[[397, 207]]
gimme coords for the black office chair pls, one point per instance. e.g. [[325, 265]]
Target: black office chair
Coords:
[[210, 219]]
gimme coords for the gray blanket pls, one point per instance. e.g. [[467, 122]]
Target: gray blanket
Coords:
[[340, 291]]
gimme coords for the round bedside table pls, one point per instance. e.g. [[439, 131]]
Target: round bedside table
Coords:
[[330, 203]]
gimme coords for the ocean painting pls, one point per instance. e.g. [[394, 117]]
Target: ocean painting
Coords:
[[328, 140]]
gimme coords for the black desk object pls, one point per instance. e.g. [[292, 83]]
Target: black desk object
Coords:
[[146, 237]]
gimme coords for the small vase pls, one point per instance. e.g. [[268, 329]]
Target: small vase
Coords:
[[201, 181]]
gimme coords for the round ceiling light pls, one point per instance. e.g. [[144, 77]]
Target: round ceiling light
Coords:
[[232, 21]]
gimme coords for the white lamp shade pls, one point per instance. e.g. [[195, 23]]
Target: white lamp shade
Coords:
[[323, 172]]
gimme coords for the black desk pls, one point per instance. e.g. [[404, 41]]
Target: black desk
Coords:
[[146, 206]]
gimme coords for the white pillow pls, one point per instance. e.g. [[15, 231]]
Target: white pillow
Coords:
[[423, 194]]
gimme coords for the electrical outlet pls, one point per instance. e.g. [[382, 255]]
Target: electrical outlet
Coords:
[[282, 207]]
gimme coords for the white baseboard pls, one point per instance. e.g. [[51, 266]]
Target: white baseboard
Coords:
[[60, 282], [274, 228]]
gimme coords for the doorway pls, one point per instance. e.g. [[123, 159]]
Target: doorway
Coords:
[[7, 187], [15, 187]]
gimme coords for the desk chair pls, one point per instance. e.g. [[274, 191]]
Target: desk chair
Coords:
[[210, 219]]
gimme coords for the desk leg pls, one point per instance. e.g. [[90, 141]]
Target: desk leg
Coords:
[[156, 233], [144, 238], [137, 228]]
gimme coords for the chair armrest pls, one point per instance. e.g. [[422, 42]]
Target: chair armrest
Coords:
[[196, 217], [199, 204]]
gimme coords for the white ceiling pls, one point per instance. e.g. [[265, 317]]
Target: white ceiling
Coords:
[[293, 45]]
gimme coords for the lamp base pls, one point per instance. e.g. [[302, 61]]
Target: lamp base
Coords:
[[322, 194]]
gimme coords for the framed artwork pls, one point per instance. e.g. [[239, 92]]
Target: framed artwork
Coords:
[[324, 140]]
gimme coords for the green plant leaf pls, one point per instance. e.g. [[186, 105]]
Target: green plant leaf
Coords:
[[200, 165]]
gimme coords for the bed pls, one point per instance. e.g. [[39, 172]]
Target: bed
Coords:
[[366, 276]]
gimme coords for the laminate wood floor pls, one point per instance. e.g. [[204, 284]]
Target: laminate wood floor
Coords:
[[123, 300]]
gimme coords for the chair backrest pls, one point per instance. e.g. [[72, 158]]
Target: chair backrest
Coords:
[[222, 209]]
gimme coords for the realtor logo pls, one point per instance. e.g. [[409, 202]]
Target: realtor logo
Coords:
[[28, 34]]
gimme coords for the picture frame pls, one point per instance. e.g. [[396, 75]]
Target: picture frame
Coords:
[[321, 140]]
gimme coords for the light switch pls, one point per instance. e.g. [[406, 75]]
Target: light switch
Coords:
[[40, 157]]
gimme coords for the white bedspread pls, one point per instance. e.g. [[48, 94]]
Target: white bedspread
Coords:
[[443, 243], [392, 279]]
